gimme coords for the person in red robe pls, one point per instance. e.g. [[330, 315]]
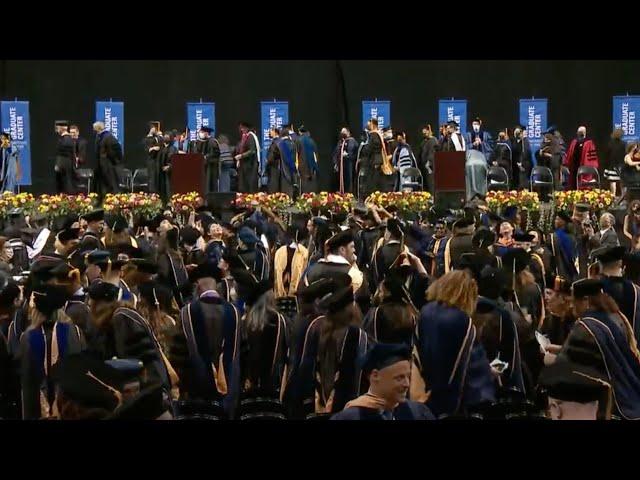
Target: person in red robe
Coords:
[[582, 152]]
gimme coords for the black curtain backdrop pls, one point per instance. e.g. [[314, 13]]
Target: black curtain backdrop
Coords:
[[322, 94]]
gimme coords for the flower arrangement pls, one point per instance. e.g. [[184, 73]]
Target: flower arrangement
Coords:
[[523, 199], [277, 202], [597, 199], [325, 202], [249, 200], [406, 203], [185, 203], [9, 201], [62, 204], [130, 205]]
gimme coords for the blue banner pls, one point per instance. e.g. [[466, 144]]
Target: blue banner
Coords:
[[625, 111], [272, 114], [112, 115], [200, 115], [14, 119], [533, 116], [455, 110], [376, 109]]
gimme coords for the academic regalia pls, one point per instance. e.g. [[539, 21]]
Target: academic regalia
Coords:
[[384, 258], [564, 255], [283, 175], [40, 349], [521, 153], [173, 274], [597, 341], [308, 163], [437, 247], [249, 149], [153, 160], [344, 161], [210, 148], [458, 245], [452, 363], [373, 153], [272, 167], [627, 296], [379, 324], [359, 409], [304, 390], [9, 168], [538, 269], [163, 179], [109, 160], [486, 147], [65, 160], [78, 311], [255, 258], [90, 241], [290, 262], [502, 155], [580, 153], [426, 159], [530, 299], [212, 330], [195, 256]]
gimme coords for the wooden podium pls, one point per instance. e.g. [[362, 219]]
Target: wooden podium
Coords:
[[449, 178], [187, 173]]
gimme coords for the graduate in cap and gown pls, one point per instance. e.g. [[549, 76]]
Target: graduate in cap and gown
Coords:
[[460, 243], [452, 140], [153, 143], [211, 332], [192, 254], [65, 159], [282, 161], [247, 156], [51, 336], [271, 168], [171, 269], [436, 248], [387, 254], [375, 160], [266, 339], [527, 294], [536, 265], [479, 139], [602, 339], [209, 147], [291, 260], [308, 161], [163, 173], [108, 159], [328, 373], [576, 392], [344, 160], [388, 368], [564, 249], [625, 293], [454, 372], [252, 253], [95, 225], [482, 241]]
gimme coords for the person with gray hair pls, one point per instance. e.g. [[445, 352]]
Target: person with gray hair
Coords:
[[606, 236], [108, 160]]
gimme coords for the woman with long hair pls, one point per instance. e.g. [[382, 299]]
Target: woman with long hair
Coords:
[[614, 159], [327, 374], [632, 225], [454, 372], [160, 309]]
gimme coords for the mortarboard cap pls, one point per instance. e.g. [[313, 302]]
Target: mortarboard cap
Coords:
[[396, 227], [205, 270], [567, 381], [248, 236], [564, 216], [62, 123], [492, 282], [156, 294], [147, 405], [249, 288], [315, 290], [483, 238], [103, 291], [452, 123], [189, 235], [337, 299], [94, 216], [68, 234], [144, 266], [583, 207], [523, 237], [383, 355], [518, 257], [206, 129], [587, 287], [340, 239], [510, 212], [463, 223], [609, 254]]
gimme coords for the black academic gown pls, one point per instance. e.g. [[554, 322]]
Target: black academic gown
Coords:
[[627, 296], [381, 326], [308, 163], [372, 158], [210, 149], [212, 330], [40, 349], [163, 182], [426, 158], [78, 311], [153, 160], [248, 169], [366, 240], [281, 161], [90, 241], [65, 161], [173, 274], [255, 258], [384, 258], [344, 161], [109, 160]]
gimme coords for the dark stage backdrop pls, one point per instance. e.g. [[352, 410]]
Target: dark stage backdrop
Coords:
[[321, 94]]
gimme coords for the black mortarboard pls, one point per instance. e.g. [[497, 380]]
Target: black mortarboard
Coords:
[[520, 126], [395, 227], [117, 223], [125, 251], [94, 216], [494, 217], [62, 270], [103, 291], [483, 238], [583, 207], [571, 382], [41, 267], [552, 129], [394, 284], [340, 239], [62, 123], [246, 125], [463, 223], [206, 129], [587, 287], [156, 294], [315, 290], [205, 270], [564, 216], [492, 282], [452, 123], [98, 257], [248, 236], [609, 254], [69, 234], [632, 260], [249, 288], [518, 256], [189, 235], [562, 285], [337, 299], [383, 355], [88, 381], [147, 405], [144, 266], [523, 237], [155, 222]]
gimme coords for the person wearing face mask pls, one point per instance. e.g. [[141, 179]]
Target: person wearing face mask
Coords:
[[65, 158], [50, 336], [10, 173], [153, 143], [521, 156], [582, 152], [344, 160], [402, 158], [247, 157], [374, 158], [549, 155], [503, 157], [452, 140], [208, 146], [167, 151], [281, 160], [426, 154], [479, 139]]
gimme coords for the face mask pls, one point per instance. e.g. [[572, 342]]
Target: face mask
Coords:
[[476, 128], [50, 298], [201, 135], [581, 136]]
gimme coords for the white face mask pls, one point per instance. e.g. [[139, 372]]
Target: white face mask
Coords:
[[201, 135], [476, 127]]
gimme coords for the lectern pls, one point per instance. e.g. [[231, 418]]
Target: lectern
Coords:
[[187, 173]]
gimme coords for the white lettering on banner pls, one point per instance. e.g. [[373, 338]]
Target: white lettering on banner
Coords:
[[631, 128], [374, 113], [450, 114], [272, 117], [538, 126], [198, 120], [531, 121], [458, 119], [12, 121], [625, 118], [107, 118]]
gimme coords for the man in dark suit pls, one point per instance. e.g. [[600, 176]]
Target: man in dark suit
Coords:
[[606, 236]]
